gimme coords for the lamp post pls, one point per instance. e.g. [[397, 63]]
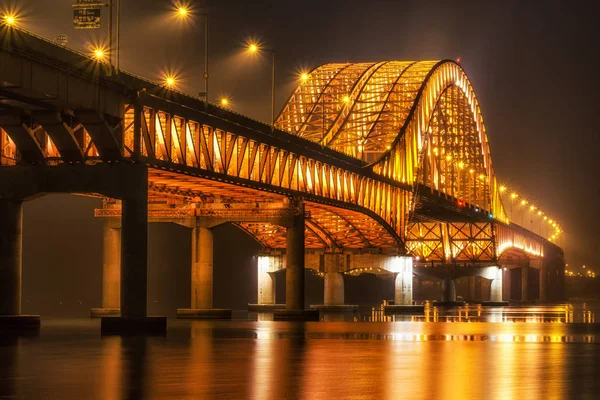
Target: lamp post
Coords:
[[254, 48], [184, 13], [513, 196]]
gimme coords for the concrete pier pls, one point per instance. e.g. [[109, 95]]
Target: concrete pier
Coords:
[[11, 256], [294, 276], [525, 284], [202, 268], [134, 273], [496, 287], [403, 283], [111, 271], [267, 265], [11, 253], [294, 284], [333, 281], [202, 279], [448, 290]]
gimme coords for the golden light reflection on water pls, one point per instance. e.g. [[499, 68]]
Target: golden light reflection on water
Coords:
[[335, 360]]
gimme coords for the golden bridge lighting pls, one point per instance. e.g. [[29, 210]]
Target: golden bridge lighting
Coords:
[[253, 48], [502, 189], [224, 101], [10, 19], [99, 54], [523, 202], [170, 81], [304, 76], [346, 99]]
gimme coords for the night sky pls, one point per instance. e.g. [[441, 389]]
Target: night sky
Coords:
[[533, 66]]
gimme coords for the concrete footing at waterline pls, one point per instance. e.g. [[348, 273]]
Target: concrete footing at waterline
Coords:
[[404, 309], [18, 323], [335, 307], [448, 304], [105, 312], [123, 326], [495, 304], [265, 307], [296, 315], [208, 313]]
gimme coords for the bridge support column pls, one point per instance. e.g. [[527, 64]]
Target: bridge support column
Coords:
[[294, 283], [524, 283], [472, 283], [448, 290], [294, 270], [134, 272], [506, 284], [266, 281], [544, 282], [267, 265], [496, 287], [11, 253], [403, 283], [111, 271], [334, 280], [202, 278]]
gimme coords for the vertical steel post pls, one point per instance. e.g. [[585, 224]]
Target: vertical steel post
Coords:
[[273, 92], [206, 58], [110, 43]]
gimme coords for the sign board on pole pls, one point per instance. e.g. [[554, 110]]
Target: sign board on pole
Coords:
[[86, 14], [61, 40]]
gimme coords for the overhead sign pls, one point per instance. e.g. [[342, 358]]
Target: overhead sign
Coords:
[[86, 14], [61, 40]]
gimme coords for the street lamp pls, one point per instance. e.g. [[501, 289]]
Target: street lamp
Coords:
[[184, 12], [513, 196], [254, 48], [170, 81], [10, 19], [224, 101]]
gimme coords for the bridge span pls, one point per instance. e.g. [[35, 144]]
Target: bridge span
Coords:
[[372, 168]]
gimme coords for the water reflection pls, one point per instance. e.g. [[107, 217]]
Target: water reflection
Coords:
[[458, 357]]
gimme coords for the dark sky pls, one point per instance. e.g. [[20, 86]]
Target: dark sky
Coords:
[[533, 65]]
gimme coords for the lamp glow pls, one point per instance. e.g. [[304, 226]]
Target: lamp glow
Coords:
[[253, 48], [99, 54], [10, 19]]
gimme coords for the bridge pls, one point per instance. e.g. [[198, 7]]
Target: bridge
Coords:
[[370, 168]]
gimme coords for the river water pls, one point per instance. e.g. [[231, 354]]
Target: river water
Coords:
[[469, 353]]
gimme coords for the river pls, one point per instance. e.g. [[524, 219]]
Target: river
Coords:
[[469, 353]]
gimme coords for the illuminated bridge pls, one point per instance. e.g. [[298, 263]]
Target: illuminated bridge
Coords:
[[372, 167]]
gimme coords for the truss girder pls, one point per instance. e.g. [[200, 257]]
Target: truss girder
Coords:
[[389, 113], [171, 139], [16, 134]]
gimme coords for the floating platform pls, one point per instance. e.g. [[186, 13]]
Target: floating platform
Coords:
[[448, 303], [296, 315], [208, 313], [19, 323], [265, 307], [152, 326], [105, 312], [404, 309], [335, 308]]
